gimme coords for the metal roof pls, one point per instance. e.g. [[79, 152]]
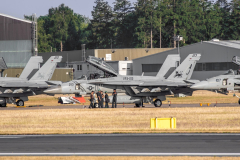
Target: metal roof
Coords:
[[23, 20], [229, 43]]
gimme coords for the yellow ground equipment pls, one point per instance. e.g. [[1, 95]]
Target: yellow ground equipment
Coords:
[[163, 123], [208, 104]]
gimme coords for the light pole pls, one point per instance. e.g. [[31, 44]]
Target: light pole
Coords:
[[178, 38]]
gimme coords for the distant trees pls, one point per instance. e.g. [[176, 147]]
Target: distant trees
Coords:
[[146, 23]]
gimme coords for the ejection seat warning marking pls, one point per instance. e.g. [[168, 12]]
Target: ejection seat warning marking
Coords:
[[128, 78]]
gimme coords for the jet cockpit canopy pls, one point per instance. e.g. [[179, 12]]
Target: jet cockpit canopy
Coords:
[[229, 72], [101, 65]]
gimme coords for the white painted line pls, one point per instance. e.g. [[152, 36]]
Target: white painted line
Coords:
[[7, 137], [119, 154], [125, 134]]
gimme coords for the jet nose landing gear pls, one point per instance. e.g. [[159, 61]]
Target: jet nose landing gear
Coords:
[[157, 103]]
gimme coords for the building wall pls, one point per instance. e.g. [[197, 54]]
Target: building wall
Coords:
[[211, 53], [15, 41], [68, 56], [131, 53], [16, 53], [85, 69], [62, 74], [14, 29], [12, 72]]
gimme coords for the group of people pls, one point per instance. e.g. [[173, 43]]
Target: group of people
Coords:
[[103, 98]]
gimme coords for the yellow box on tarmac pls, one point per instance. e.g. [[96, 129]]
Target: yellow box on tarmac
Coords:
[[163, 123]]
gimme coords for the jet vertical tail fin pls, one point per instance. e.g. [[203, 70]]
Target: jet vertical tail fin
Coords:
[[31, 67], [185, 69], [46, 71], [171, 62]]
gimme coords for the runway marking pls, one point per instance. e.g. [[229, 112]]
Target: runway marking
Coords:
[[122, 135], [119, 154], [7, 137]]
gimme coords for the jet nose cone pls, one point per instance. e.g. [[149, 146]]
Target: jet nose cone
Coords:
[[54, 90], [200, 85]]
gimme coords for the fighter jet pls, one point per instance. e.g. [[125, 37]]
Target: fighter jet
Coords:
[[31, 82], [171, 79], [224, 83], [221, 84], [138, 89]]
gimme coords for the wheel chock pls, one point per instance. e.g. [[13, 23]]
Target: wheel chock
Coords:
[[201, 104], [20, 106]]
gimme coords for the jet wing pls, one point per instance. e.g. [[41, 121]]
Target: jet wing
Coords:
[[22, 85], [24, 94], [164, 84], [117, 83]]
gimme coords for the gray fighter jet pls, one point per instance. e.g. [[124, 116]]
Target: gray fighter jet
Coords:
[[32, 81], [138, 89], [224, 83], [221, 84]]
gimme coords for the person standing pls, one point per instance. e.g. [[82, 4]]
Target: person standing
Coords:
[[92, 100], [106, 100], [114, 100], [99, 98], [102, 98]]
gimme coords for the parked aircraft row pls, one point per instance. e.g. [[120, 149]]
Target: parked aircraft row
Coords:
[[33, 80], [172, 78]]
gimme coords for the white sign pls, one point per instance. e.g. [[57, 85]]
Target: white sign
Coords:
[[108, 57]]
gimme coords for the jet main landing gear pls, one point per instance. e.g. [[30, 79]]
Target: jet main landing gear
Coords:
[[3, 105], [157, 103], [20, 103]]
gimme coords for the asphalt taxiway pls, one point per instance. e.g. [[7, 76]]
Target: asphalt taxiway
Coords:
[[122, 144], [80, 106]]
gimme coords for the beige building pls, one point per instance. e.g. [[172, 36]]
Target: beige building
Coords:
[[107, 54]]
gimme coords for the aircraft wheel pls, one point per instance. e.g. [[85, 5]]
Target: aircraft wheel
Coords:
[[95, 105], [3, 105], [20, 103], [239, 101], [137, 104], [157, 103]]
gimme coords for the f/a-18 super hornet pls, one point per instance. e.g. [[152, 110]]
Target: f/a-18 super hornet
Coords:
[[138, 89], [222, 84], [32, 81]]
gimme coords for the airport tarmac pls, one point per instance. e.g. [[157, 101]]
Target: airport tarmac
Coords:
[[121, 144], [121, 106]]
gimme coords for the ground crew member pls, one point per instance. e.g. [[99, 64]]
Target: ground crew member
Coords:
[[102, 98], [106, 100], [114, 100], [99, 98], [92, 100]]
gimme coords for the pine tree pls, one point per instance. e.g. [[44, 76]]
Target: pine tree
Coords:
[[101, 24]]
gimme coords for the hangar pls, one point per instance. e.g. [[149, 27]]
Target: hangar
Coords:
[[17, 40], [216, 58]]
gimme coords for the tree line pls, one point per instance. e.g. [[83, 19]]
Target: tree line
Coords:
[[144, 24]]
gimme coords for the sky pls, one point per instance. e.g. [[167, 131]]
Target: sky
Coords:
[[17, 8]]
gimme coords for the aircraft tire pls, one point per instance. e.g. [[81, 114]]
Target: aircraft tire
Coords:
[[3, 105], [157, 103], [95, 105], [137, 104], [20, 103], [239, 101]]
